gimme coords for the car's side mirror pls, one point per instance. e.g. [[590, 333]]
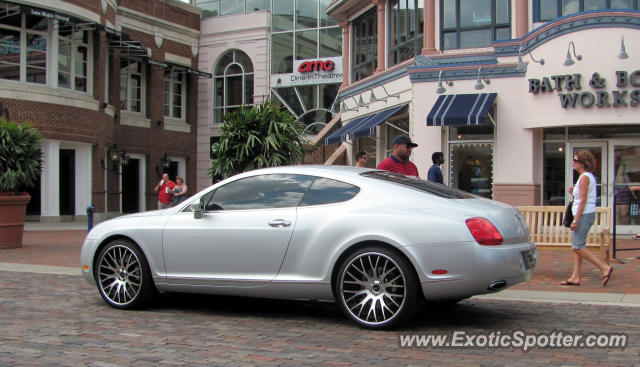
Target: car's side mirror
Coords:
[[197, 210]]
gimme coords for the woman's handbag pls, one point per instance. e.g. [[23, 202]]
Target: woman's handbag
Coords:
[[568, 215]]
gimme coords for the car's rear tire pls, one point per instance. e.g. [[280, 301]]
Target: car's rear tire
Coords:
[[123, 276], [377, 288]]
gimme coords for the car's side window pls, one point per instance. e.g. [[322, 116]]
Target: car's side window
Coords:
[[261, 192], [327, 191]]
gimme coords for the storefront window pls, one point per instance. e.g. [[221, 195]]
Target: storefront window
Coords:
[[553, 173], [367, 144], [627, 184], [472, 168], [393, 129], [474, 23], [365, 45]]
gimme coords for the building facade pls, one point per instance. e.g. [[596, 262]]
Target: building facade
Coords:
[[507, 89], [286, 51], [112, 86]]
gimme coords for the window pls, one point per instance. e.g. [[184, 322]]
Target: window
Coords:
[[73, 58], [28, 63], [327, 191], [406, 25], [233, 84], [545, 10], [213, 8], [365, 45], [474, 23], [471, 159], [132, 85], [260, 192], [175, 94]]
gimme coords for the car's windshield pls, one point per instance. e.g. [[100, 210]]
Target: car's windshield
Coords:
[[419, 184]]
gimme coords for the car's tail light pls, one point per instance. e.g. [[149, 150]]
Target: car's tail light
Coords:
[[484, 232]]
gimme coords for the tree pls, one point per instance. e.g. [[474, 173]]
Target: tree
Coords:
[[257, 137], [20, 156]]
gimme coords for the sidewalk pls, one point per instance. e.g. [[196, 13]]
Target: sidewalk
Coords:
[[57, 248]]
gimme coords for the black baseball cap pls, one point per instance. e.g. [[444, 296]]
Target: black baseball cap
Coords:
[[403, 139]]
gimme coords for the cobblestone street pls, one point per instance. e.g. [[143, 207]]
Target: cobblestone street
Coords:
[[60, 320]]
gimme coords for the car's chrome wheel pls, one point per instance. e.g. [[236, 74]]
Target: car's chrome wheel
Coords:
[[122, 275], [377, 288]]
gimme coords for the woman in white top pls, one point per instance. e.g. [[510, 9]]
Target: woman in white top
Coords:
[[584, 214]]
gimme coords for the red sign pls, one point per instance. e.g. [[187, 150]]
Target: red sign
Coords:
[[311, 66]]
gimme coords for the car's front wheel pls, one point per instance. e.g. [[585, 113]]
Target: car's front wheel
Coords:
[[123, 275], [376, 287]]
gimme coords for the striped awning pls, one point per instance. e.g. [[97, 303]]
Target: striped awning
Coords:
[[461, 109]]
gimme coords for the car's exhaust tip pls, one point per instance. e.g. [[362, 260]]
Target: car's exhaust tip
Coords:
[[496, 286]]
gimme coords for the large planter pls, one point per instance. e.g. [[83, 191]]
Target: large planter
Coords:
[[13, 211]]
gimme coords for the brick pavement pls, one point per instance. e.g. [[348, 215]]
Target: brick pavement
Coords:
[[56, 320]]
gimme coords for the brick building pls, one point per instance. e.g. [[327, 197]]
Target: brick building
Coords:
[[112, 86]]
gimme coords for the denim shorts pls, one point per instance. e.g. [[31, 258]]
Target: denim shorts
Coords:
[[579, 239]]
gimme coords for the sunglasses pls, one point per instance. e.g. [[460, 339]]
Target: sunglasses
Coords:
[[576, 160]]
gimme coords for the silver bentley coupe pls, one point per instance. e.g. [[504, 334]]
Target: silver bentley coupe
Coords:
[[376, 242]]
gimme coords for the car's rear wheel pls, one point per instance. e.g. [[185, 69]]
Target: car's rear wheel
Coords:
[[123, 275], [376, 287]]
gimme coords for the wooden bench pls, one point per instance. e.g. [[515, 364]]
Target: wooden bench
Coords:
[[548, 233]]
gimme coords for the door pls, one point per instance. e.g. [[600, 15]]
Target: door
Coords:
[[243, 235], [131, 186], [625, 174], [599, 151], [67, 182]]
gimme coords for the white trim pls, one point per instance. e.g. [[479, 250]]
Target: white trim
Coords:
[[172, 124], [177, 59], [10, 89], [134, 119]]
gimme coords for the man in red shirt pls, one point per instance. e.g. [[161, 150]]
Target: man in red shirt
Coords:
[[399, 161], [164, 189]]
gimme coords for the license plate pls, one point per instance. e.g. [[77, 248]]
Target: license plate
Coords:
[[529, 258]]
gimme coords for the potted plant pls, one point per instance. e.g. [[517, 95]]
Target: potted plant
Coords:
[[20, 167]]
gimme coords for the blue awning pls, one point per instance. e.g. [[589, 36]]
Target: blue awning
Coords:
[[362, 126], [369, 127], [461, 109]]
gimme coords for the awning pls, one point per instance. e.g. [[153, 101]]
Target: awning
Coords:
[[461, 109], [362, 126]]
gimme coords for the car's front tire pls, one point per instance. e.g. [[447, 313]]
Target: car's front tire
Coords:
[[123, 276], [377, 288]]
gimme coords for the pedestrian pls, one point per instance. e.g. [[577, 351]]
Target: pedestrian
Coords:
[[163, 188], [435, 174], [179, 192], [584, 214], [361, 159], [399, 161]]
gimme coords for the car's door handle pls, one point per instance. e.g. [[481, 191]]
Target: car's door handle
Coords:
[[279, 223]]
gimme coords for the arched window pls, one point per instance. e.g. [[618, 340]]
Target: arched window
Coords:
[[232, 84]]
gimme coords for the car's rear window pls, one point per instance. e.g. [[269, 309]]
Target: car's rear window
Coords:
[[418, 184]]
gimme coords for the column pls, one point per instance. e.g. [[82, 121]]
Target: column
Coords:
[[83, 181], [429, 39], [346, 53], [50, 181], [522, 18], [381, 4]]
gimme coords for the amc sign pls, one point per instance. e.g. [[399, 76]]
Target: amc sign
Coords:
[[316, 71]]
